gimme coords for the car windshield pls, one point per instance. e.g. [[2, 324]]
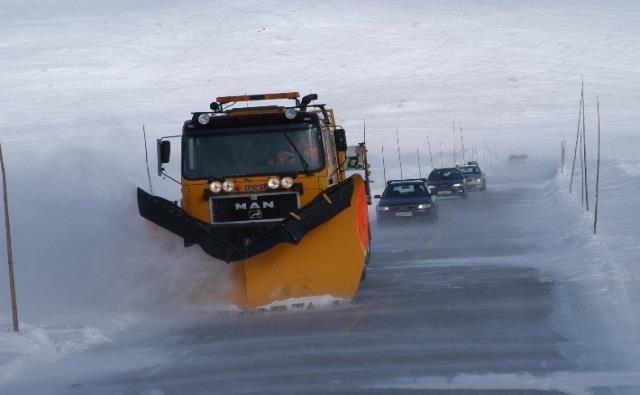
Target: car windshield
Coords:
[[253, 151], [469, 169], [445, 175], [405, 191]]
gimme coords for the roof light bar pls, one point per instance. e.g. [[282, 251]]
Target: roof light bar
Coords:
[[266, 96]]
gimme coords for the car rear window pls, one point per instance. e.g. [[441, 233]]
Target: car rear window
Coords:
[[445, 175]]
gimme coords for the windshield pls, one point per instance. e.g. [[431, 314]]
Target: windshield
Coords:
[[469, 169], [405, 191], [445, 175], [253, 151]]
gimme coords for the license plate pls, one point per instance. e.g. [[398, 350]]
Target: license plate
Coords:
[[404, 214], [255, 188]]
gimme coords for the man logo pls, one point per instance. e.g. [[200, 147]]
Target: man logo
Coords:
[[254, 205], [255, 214]]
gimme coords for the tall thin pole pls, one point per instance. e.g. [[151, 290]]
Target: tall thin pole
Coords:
[[462, 144], [584, 150], [419, 165], [454, 155], [563, 153], [7, 228], [384, 168], [430, 156], [595, 216], [146, 158], [581, 173], [453, 129], [399, 157], [575, 149], [441, 156], [367, 180]]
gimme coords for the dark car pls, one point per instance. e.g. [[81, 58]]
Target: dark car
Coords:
[[448, 181], [475, 178], [404, 199]]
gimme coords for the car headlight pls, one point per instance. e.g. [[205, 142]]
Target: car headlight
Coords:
[[479, 179], [228, 186], [457, 185], [215, 186], [423, 206], [431, 187], [383, 208], [273, 183], [286, 182]]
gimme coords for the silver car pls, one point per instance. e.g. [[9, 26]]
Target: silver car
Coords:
[[476, 179]]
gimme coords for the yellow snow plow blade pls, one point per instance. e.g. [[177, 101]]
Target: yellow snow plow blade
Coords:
[[329, 260]]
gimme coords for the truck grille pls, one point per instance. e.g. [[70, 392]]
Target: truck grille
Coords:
[[252, 207]]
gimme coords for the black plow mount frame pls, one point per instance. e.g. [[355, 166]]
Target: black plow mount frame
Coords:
[[214, 239]]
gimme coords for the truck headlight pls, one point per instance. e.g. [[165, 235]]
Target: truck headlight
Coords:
[[423, 206], [383, 208], [203, 119], [228, 186], [273, 183], [290, 113], [215, 186], [286, 182], [479, 179]]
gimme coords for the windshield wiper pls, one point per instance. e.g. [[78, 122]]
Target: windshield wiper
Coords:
[[305, 164]]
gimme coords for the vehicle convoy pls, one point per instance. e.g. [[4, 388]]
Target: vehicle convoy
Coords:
[[474, 177], [447, 181], [404, 199], [265, 189]]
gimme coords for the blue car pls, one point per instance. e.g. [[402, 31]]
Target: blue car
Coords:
[[447, 181], [406, 199]]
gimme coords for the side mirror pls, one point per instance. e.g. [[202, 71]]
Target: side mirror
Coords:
[[164, 153], [376, 196], [340, 137]]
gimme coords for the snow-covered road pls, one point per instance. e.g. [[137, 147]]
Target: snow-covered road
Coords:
[[493, 297]]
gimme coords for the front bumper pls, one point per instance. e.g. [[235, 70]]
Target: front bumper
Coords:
[[474, 184], [405, 213], [447, 191]]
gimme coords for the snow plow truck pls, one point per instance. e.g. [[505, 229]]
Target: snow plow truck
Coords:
[[265, 189]]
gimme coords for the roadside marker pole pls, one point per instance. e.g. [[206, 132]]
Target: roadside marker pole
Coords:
[[419, 165], [584, 153], [399, 157], [430, 156], [146, 158], [7, 228], [462, 145], [384, 168], [575, 149], [595, 216]]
